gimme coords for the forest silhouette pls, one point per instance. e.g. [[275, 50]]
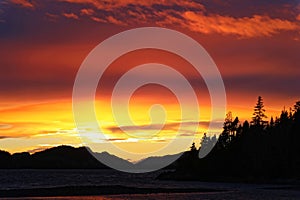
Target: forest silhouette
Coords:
[[258, 150]]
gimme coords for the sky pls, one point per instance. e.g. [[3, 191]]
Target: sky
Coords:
[[255, 45]]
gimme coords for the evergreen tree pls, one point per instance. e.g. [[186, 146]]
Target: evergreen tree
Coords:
[[272, 123], [284, 116], [296, 110], [193, 147], [228, 123], [297, 106], [246, 126], [259, 113], [249, 152], [234, 126]]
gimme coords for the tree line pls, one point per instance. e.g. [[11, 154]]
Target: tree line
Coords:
[[255, 150]]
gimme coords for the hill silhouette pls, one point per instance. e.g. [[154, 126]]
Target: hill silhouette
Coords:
[[61, 157], [68, 157]]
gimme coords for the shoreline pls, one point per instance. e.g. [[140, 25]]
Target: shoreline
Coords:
[[97, 190]]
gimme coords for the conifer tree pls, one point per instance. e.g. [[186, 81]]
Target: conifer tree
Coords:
[[259, 113]]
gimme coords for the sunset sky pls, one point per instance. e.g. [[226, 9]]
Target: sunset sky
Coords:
[[255, 44]]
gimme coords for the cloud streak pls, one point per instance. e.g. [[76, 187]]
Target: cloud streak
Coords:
[[247, 27], [23, 3], [88, 12], [115, 4], [5, 126], [172, 126], [70, 15], [190, 15]]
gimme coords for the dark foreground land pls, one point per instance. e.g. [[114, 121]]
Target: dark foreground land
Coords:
[[97, 190], [110, 184], [123, 192]]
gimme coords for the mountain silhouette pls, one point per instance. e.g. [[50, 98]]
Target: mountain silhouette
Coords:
[[68, 157], [61, 157], [155, 161], [113, 160]]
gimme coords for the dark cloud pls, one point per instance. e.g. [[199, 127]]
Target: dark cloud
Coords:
[[264, 84], [115, 139], [169, 126]]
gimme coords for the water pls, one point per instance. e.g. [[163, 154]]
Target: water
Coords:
[[30, 179]]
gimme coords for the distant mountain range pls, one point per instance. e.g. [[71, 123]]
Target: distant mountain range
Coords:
[[68, 157]]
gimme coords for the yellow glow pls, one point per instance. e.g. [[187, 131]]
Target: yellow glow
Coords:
[[43, 125]]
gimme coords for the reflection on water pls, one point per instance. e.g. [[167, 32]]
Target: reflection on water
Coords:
[[27, 179], [237, 195]]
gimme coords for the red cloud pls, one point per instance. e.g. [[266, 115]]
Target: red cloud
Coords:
[[23, 3], [88, 12], [191, 15], [96, 19], [113, 20], [111, 4], [52, 17], [244, 27], [70, 15]]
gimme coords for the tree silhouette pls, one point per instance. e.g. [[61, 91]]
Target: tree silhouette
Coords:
[[204, 143], [230, 130], [272, 123], [246, 126], [259, 113], [193, 147], [248, 153], [297, 106]]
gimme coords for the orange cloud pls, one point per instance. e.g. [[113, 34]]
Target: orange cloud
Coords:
[[254, 26], [52, 17], [23, 3], [70, 15], [113, 20], [192, 16], [87, 12], [96, 19], [189, 15], [37, 119]]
